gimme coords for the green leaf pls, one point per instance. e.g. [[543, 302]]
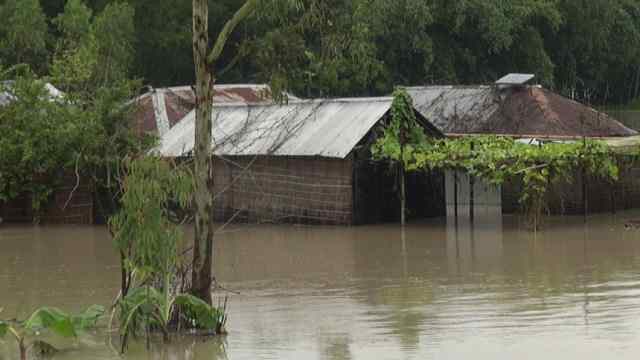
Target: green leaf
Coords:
[[205, 315], [51, 318], [4, 328], [88, 318]]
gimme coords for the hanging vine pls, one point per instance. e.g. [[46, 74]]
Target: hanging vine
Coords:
[[403, 134], [498, 159], [493, 158], [400, 138]]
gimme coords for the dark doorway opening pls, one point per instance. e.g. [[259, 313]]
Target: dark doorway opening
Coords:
[[376, 197]]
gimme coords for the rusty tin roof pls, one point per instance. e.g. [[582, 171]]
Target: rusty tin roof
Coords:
[[525, 111], [158, 110]]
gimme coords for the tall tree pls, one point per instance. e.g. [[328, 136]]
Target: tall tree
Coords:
[[205, 60], [23, 33]]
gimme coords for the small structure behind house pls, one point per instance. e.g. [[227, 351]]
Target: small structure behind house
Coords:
[[534, 114]]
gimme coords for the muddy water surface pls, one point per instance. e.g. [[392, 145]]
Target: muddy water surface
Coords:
[[434, 292]]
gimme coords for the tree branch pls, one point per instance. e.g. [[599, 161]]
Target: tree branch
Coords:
[[245, 11], [64, 208]]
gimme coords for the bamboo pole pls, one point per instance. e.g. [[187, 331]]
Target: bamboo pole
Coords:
[[403, 197]]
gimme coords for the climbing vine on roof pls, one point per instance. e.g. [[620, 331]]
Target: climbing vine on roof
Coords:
[[498, 159], [400, 137], [403, 134]]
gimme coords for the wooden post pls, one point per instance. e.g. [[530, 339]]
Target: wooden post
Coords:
[[584, 194], [472, 182], [455, 196], [584, 184], [584, 178], [612, 194], [355, 215], [403, 199]]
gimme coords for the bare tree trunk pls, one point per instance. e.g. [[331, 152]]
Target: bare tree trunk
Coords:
[[203, 241], [403, 196], [204, 61]]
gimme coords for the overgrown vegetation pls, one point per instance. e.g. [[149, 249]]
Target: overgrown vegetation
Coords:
[[83, 131], [400, 136], [26, 333], [498, 159], [493, 158], [155, 267]]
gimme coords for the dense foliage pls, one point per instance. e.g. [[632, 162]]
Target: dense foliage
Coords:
[[498, 159], [149, 239], [83, 131], [588, 49], [35, 141], [492, 158], [402, 132]]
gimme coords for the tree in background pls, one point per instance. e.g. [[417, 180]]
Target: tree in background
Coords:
[[584, 49], [23, 33], [38, 139], [86, 130]]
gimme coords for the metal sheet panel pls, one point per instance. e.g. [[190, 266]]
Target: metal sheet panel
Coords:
[[453, 108], [325, 128], [529, 111], [171, 104], [515, 79]]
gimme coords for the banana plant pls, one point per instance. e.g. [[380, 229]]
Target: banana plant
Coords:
[[146, 307], [52, 319]]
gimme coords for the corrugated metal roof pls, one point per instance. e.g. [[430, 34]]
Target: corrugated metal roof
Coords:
[[442, 104], [326, 128], [160, 109], [526, 111]]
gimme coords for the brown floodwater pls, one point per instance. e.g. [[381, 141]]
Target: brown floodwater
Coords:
[[435, 291]]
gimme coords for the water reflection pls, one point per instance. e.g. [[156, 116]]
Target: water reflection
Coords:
[[336, 347], [433, 290], [184, 348], [475, 245]]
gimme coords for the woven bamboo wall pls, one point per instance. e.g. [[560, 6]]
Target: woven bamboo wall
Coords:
[[601, 196], [283, 190]]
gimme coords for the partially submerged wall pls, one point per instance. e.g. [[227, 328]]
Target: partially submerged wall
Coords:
[[265, 189], [568, 198], [65, 205]]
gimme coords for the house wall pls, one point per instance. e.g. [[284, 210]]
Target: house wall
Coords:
[[79, 209], [601, 196], [283, 189], [487, 198]]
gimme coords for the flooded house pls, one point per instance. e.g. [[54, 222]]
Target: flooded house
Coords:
[[306, 161], [511, 107], [154, 113]]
